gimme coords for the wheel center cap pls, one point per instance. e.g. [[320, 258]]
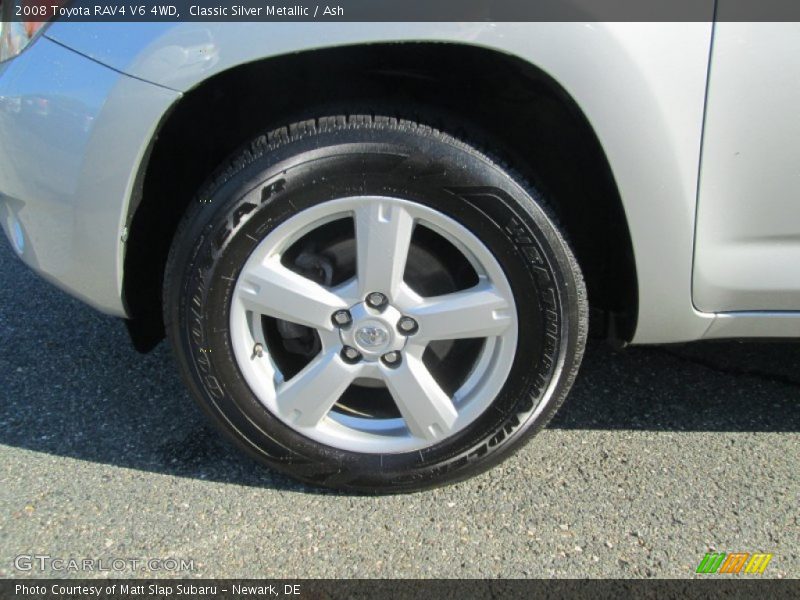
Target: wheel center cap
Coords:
[[372, 335], [373, 332]]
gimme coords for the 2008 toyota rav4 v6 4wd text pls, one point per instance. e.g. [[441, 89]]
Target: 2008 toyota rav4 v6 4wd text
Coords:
[[375, 249]]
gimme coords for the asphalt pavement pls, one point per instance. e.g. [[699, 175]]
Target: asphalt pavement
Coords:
[[660, 455]]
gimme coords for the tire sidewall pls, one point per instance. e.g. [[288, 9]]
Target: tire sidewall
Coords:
[[241, 207]]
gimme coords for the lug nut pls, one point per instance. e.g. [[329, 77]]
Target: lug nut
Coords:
[[391, 359], [407, 326], [341, 318], [351, 355], [376, 300]]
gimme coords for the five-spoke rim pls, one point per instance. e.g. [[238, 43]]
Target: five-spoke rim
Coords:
[[373, 326]]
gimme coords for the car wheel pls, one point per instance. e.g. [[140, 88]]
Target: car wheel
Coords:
[[369, 304]]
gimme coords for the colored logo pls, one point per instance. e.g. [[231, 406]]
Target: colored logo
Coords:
[[734, 563]]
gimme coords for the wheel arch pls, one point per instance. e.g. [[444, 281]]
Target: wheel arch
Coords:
[[505, 105]]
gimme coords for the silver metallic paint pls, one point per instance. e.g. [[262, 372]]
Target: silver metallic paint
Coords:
[[641, 86], [72, 135], [748, 220]]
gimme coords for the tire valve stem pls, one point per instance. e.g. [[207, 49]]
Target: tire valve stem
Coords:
[[258, 350]]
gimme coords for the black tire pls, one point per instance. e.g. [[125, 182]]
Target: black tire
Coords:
[[283, 172]]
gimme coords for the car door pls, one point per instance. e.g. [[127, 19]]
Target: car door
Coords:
[[747, 249]]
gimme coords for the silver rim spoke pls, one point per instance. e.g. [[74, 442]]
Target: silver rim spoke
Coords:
[[383, 237], [273, 290], [308, 396], [476, 313], [377, 348], [426, 409]]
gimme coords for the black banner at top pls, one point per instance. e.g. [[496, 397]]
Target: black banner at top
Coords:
[[401, 10]]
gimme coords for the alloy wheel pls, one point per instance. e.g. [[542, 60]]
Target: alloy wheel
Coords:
[[372, 331]]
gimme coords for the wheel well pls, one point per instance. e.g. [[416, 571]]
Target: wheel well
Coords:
[[507, 107]]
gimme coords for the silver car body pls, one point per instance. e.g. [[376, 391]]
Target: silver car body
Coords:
[[698, 122]]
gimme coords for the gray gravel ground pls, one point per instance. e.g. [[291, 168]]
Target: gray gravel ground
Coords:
[[660, 455]]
